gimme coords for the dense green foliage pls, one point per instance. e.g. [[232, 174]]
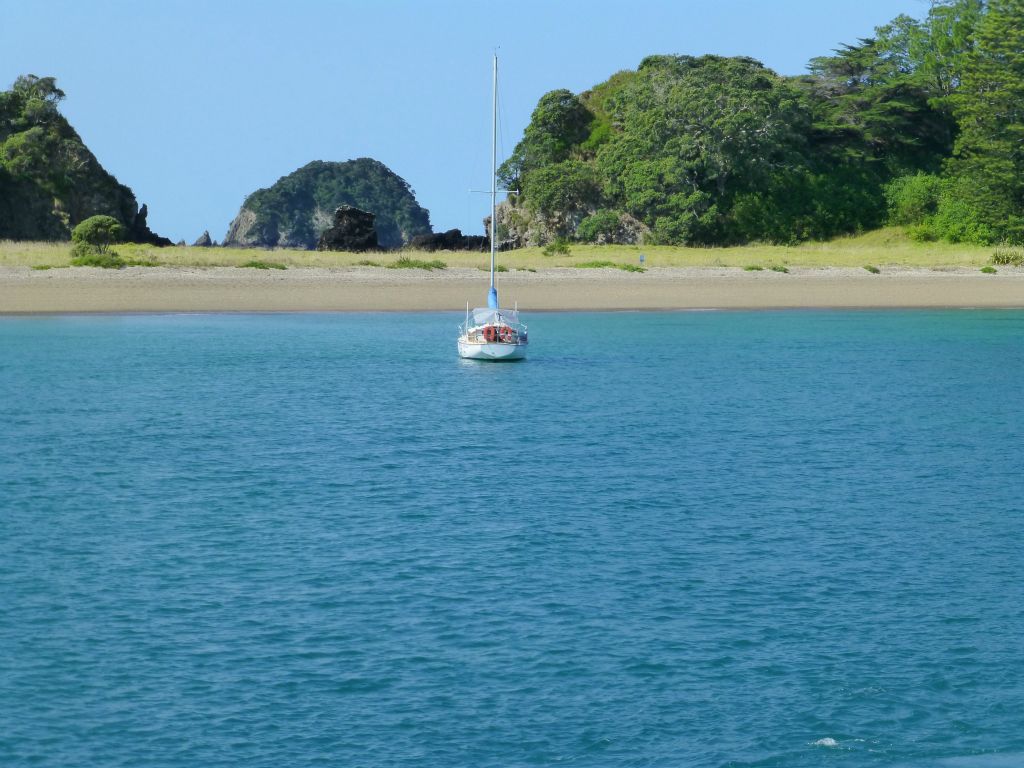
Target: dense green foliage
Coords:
[[920, 125], [296, 209], [989, 165], [49, 180], [98, 232]]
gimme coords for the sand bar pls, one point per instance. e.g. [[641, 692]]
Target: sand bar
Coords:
[[229, 289]]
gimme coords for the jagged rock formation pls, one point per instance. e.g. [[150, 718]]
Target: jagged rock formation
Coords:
[[204, 241], [139, 231], [352, 230], [49, 180], [299, 207], [452, 240]]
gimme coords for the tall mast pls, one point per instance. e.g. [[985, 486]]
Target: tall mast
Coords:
[[492, 296]]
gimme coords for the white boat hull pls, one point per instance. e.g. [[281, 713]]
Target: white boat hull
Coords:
[[491, 351]]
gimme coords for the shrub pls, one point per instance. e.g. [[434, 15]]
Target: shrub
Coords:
[[497, 268], [779, 268], [406, 263], [558, 246], [595, 264], [871, 269], [262, 265], [1008, 256], [957, 217], [601, 225], [753, 268], [630, 268], [912, 199], [367, 263], [98, 232], [988, 270], [89, 257]]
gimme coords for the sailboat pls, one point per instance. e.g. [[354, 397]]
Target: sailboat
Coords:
[[493, 333]]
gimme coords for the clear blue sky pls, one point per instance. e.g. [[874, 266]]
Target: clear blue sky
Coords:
[[196, 104]]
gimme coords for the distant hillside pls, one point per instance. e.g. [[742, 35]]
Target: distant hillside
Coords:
[[49, 180], [918, 125], [298, 207]]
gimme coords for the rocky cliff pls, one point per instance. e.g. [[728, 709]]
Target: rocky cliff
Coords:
[[296, 210], [49, 180]]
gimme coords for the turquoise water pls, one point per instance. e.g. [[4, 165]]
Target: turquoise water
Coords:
[[686, 539]]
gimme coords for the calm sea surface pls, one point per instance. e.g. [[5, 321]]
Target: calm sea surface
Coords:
[[686, 539]]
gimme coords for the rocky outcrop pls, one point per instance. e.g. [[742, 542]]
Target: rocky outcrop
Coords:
[[139, 232], [299, 207], [49, 180], [452, 240], [352, 230], [522, 227], [204, 241]]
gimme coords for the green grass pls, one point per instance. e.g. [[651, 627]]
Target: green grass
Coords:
[[41, 267], [498, 268], [989, 270], [753, 268], [779, 268], [405, 262], [367, 263], [630, 268], [1008, 256], [889, 247], [873, 270], [257, 264], [103, 260]]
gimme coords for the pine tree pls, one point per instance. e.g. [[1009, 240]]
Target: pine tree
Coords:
[[990, 109]]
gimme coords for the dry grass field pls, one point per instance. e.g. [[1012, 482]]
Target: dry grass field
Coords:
[[882, 248]]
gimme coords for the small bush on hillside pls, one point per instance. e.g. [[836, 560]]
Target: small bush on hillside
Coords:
[[957, 217], [557, 247], [599, 225], [912, 199]]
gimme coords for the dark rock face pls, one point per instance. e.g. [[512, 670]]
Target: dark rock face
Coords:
[[139, 232], [352, 231], [452, 240], [204, 241]]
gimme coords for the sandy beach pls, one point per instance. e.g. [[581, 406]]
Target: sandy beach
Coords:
[[229, 289]]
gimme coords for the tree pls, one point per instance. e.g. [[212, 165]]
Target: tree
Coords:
[[97, 233], [558, 124], [989, 106]]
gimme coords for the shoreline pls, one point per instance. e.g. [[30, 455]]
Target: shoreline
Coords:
[[24, 291]]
